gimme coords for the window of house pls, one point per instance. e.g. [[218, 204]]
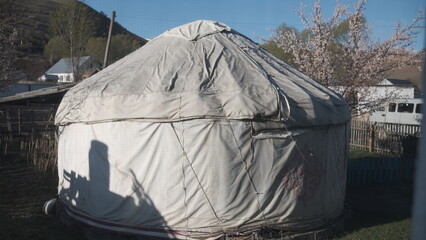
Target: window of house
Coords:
[[392, 107], [419, 108], [405, 107]]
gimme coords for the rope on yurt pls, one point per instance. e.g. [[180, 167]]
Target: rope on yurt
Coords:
[[195, 174], [184, 181], [248, 173], [185, 156], [235, 140]]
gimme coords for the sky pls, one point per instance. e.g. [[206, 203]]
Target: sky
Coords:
[[254, 18]]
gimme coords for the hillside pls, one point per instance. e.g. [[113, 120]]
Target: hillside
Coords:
[[33, 34]]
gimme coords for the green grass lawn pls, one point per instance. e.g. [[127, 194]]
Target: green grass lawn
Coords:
[[377, 211], [358, 153], [397, 230]]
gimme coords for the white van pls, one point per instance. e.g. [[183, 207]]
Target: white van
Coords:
[[402, 111]]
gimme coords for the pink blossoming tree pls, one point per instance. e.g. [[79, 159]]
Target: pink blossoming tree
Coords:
[[340, 52]]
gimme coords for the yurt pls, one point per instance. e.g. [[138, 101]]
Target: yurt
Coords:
[[201, 133]]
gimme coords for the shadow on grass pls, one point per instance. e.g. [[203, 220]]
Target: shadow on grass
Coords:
[[379, 194], [375, 205], [23, 190]]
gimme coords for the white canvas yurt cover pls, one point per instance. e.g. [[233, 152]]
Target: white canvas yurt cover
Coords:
[[198, 134]]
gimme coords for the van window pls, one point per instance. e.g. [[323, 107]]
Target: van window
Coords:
[[405, 107], [419, 108], [392, 107]]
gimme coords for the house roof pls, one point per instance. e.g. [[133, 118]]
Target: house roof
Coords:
[[63, 66], [41, 95], [390, 81]]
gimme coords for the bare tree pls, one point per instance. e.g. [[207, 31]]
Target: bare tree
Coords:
[[7, 58], [340, 51], [11, 13], [71, 23]]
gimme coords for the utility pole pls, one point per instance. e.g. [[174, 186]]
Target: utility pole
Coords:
[[109, 40]]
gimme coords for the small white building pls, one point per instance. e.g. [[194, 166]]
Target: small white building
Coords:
[[62, 70], [375, 96], [370, 98], [395, 88]]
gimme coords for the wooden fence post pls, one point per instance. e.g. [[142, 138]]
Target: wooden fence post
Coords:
[[19, 120], [9, 125], [371, 138]]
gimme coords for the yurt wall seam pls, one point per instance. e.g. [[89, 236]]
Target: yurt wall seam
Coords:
[[241, 157], [248, 173], [183, 157], [196, 176], [236, 144], [184, 180]]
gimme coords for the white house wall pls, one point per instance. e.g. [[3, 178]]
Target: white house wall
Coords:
[[371, 98], [65, 78], [375, 96]]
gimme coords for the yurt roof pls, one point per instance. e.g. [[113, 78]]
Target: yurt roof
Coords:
[[203, 69]]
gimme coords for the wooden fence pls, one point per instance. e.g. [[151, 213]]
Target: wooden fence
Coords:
[[32, 120], [386, 138], [29, 130], [380, 170]]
